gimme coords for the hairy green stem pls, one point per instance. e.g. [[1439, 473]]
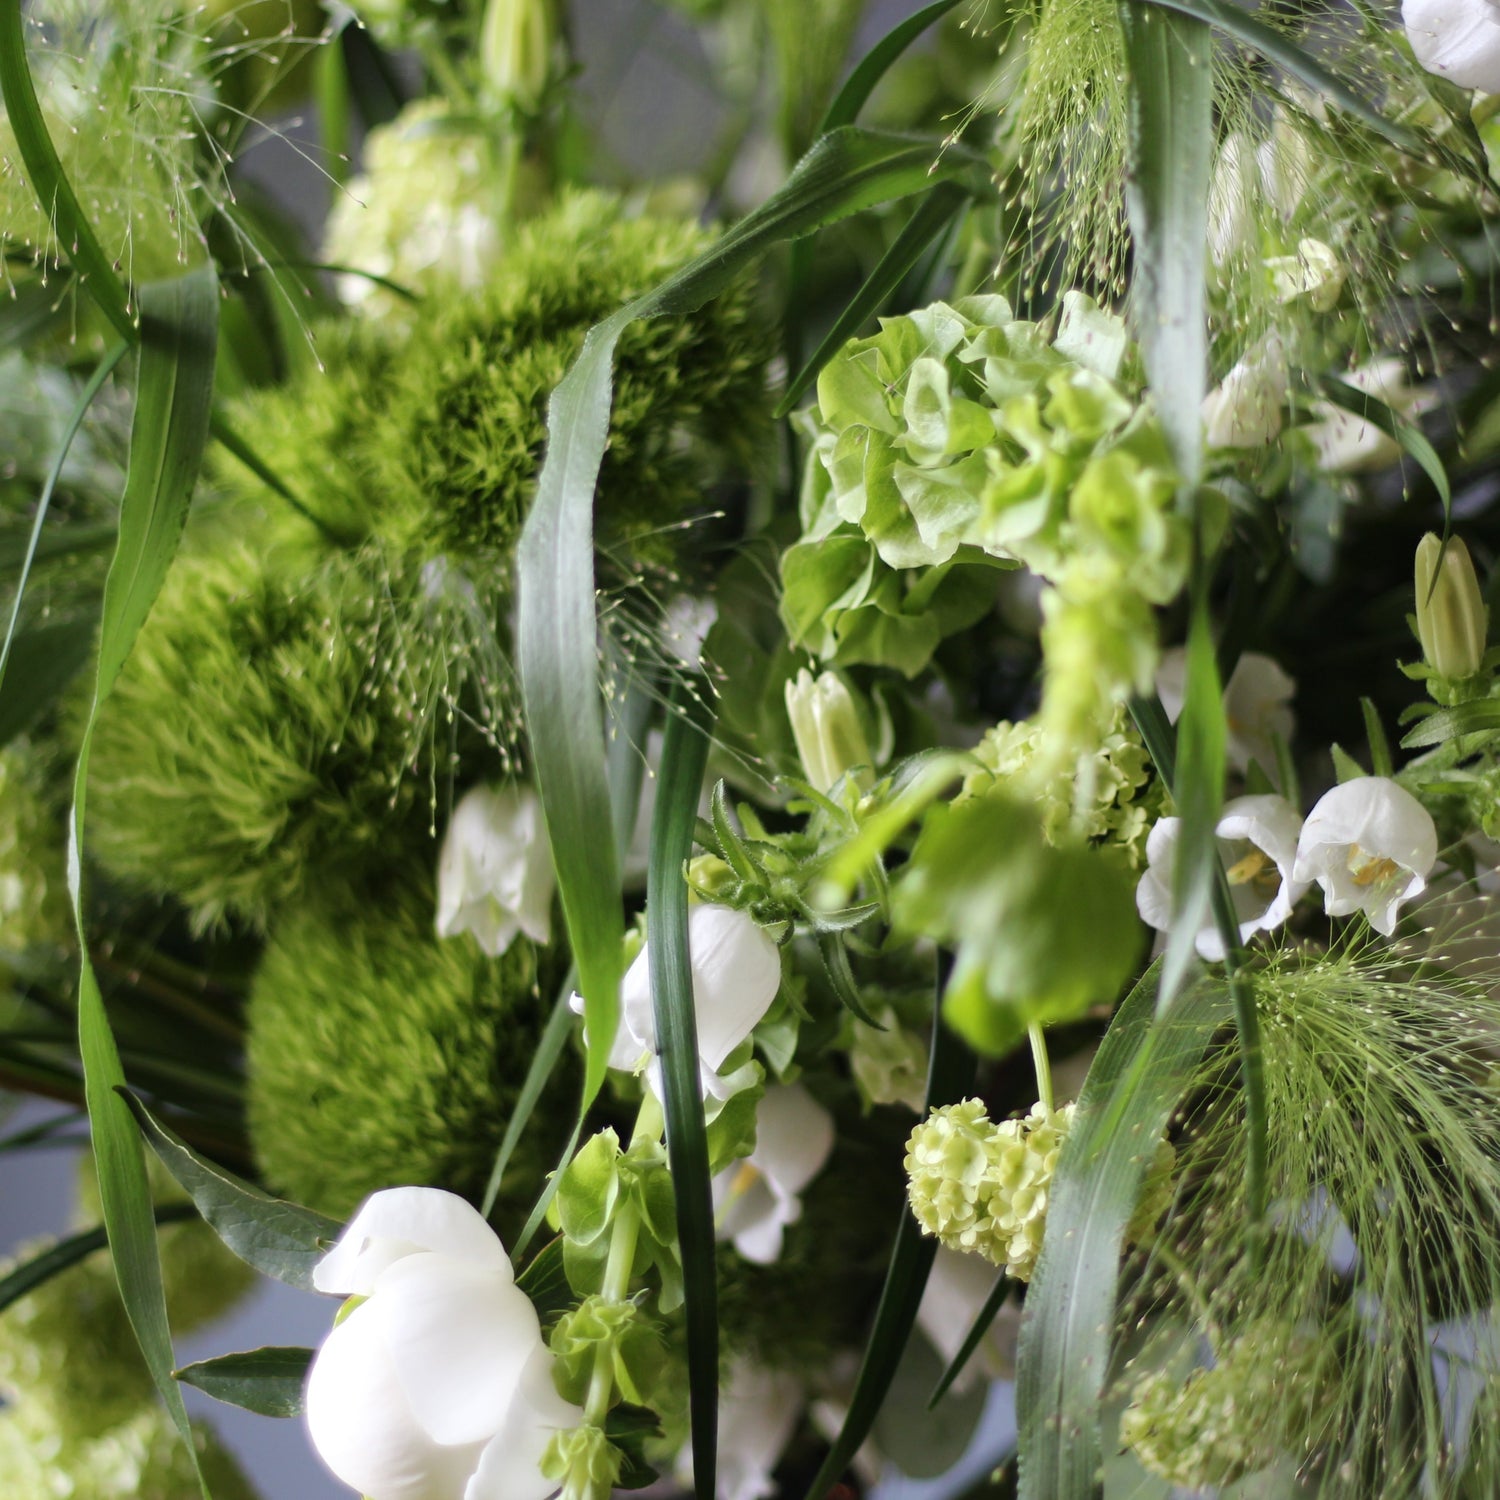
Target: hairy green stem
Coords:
[[1042, 1063]]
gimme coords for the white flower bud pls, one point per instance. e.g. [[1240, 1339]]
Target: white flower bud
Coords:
[[826, 727], [495, 875], [515, 50], [1452, 620]]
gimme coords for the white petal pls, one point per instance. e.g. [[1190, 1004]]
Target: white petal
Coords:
[[1269, 822], [1153, 895], [364, 1430], [760, 1243], [637, 1034], [758, 1411], [495, 875], [793, 1136], [402, 1221], [1458, 39], [1256, 706], [510, 1466], [1384, 819], [736, 974], [461, 1338], [957, 1287], [1171, 681]]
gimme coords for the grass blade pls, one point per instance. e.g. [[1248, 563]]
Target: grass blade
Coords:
[[1062, 1360], [85, 400], [48, 180], [950, 1075], [924, 226], [844, 172], [179, 327], [279, 1239], [46, 1264], [266, 1381], [876, 63], [684, 758]]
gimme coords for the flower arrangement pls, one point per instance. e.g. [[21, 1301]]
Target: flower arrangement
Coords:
[[820, 814]]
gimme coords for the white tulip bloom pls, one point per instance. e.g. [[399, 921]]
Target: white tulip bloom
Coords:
[[1457, 39], [1370, 844], [495, 875], [957, 1287], [736, 974], [758, 1412], [438, 1386], [1257, 705], [1258, 844], [755, 1199]]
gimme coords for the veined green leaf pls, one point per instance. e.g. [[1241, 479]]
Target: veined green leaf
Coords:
[[934, 213], [48, 180], [46, 1264], [279, 1239], [266, 1381], [75, 420], [1137, 1077], [174, 396], [1448, 723], [1412, 439], [950, 1075], [845, 171], [684, 757]]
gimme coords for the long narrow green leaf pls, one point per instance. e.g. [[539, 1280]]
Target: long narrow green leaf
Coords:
[[1169, 64], [877, 62], [935, 211], [950, 1075], [1481, 716], [46, 1264], [174, 396], [1280, 49], [279, 1239], [844, 172], [49, 182], [266, 1381], [43, 660], [684, 758], [1412, 439], [85, 400], [1137, 1079]]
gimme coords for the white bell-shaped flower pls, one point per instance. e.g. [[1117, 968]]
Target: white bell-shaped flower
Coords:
[[758, 1412], [1245, 409], [736, 974], [957, 1288], [437, 1386], [1258, 845], [495, 875], [1371, 845], [1457, 39], [755, 1199], [1347, 444], [1257, 705]]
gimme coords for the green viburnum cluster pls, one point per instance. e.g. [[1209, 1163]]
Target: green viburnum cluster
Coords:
[[1265, 1397], [380, 1054], [82, 1418], [982, 1187], [957, 439], [1115, 798]]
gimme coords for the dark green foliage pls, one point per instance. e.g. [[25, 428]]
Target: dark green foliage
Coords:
[[381, 1056]]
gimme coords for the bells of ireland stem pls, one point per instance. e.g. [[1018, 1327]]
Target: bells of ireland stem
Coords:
[[436, 1384], [515, 51], [1457, 39], [825, 723], [1452, 621]]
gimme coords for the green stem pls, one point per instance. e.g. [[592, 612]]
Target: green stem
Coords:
[[1042, 1063]]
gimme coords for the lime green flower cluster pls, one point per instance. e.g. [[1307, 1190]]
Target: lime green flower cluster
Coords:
[[984, 1188], [33, 876], [1260, 1401], [1114, 799], [957, 438]]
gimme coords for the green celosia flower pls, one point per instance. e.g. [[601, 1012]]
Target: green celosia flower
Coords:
[[984, 1187], [1262, 1400], [1115, 798]]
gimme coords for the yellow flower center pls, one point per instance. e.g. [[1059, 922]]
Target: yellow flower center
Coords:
[[1370, 869], [1255, 868]]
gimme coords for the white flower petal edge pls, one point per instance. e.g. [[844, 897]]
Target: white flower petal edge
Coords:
[[1258, 844], [956, 1290], [1370, 845], [756, 1199], [438, 1386], [1257, 705], [495, 875], [1457, 39], [736, 975], [758, 1411]]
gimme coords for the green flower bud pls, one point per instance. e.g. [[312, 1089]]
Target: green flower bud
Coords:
[[515, 50], [584, 1462], [827, 730], [1452, 621], [620, 1328]]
